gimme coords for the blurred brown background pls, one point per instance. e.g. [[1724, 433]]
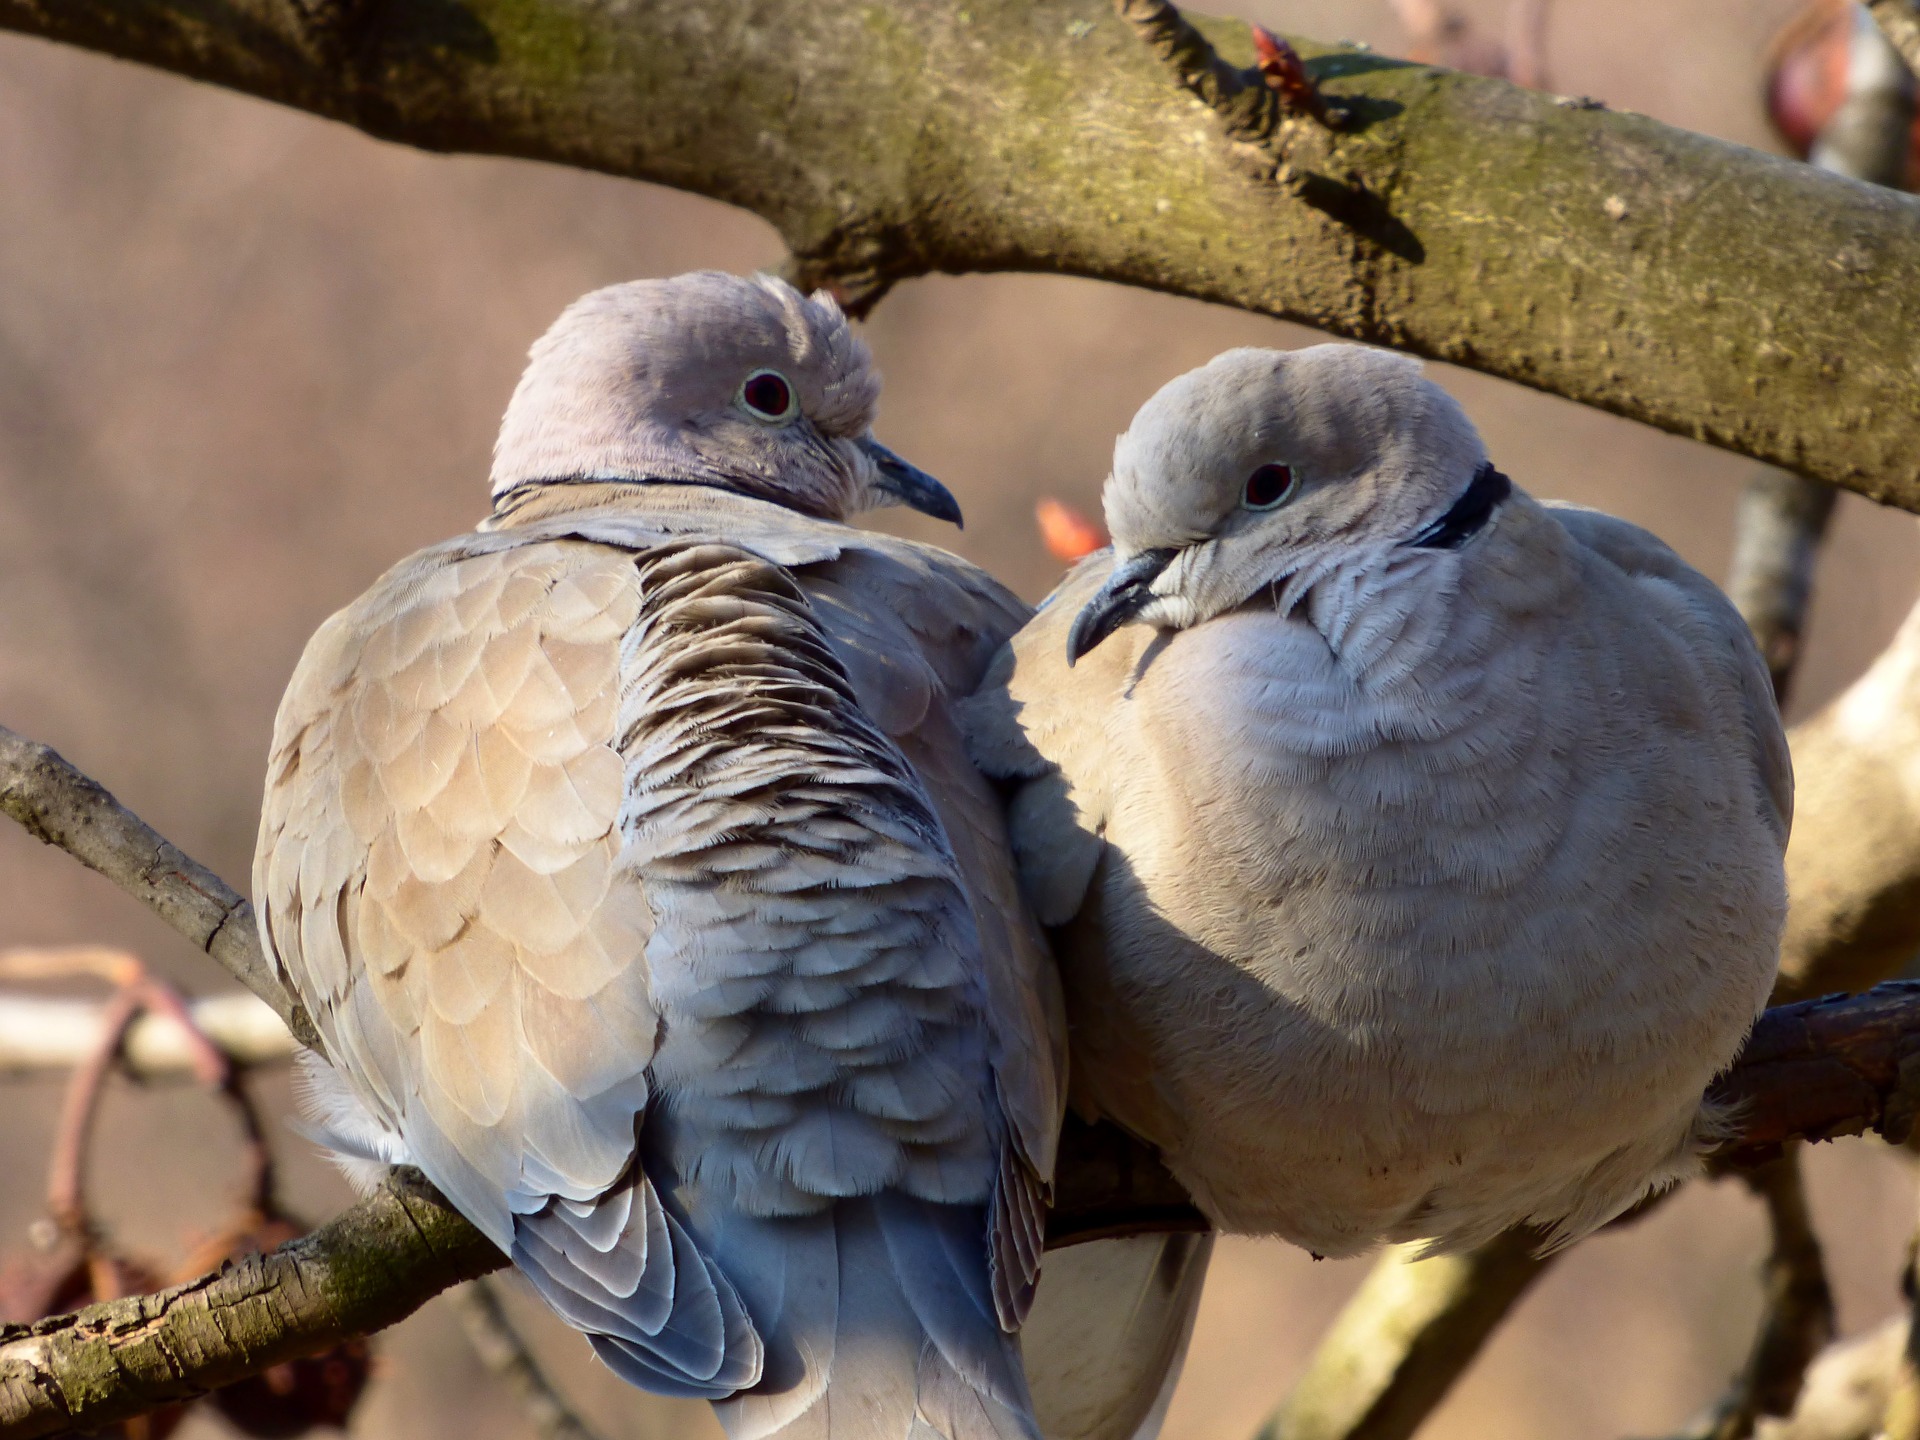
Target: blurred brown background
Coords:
[[248, 359]]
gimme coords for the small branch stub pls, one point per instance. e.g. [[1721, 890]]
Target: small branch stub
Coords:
[[1252, 103]]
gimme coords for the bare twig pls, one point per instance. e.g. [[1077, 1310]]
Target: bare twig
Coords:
[[59, 805], [1900, 22], [502, 1351], [1797, 1324], [66, 1172], [38, 1033], [1249, 109], [1403, 1339], [1776, 542]]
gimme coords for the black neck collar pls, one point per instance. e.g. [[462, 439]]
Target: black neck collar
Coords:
[[1468, 515]]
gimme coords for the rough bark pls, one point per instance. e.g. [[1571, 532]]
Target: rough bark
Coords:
[[374, 1265], [1698, 286]]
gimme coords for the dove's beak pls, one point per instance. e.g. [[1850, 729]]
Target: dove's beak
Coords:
[[910, 485], [1127, 592]]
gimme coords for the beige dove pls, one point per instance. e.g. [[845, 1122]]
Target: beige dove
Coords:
[[627, 855], [1415, 846]]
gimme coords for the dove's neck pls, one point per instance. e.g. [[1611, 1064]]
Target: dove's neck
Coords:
[[1383, 610]]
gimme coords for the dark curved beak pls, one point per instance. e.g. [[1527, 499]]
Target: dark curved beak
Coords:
[[912, 486], [1125, 595]]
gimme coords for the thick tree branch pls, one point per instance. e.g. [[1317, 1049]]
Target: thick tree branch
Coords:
[[1853, 864], [1695, 285]]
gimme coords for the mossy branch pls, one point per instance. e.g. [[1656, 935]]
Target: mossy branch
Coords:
[[371, 1267], [1692, 284]]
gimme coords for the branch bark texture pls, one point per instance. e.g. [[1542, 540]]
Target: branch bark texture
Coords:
[[371, 1267], [1698, 286]]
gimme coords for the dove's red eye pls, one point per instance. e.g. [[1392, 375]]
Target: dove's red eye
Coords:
[[767, 396], [1267, 487]]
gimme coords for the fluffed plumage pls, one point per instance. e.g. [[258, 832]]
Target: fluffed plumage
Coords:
[[1415, 847]]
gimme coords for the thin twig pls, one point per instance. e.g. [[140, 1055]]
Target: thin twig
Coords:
[[502, 1351], [1797, 1323], [1777, 536], [66, 1171]]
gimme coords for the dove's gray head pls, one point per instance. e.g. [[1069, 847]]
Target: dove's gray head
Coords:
[[1267, 468], [709, 379]]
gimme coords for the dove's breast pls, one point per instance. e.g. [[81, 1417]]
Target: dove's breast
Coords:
[[1434, 956]]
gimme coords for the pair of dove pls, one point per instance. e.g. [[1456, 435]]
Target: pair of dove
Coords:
[[1411, 853]]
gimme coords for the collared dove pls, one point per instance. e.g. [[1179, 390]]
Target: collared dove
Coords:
[[627, 856], [1416, 846]]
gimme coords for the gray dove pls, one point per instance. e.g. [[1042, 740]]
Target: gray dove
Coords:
[[1415, 846], [627, 855]]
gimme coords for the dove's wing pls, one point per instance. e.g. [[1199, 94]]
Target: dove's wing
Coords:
[[444, 881], [915, 628], [1722, 642], [553, 829]]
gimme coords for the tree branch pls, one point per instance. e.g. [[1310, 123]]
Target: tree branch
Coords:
[[1853, 863], [502, 1351], [1776, 544], [371, 1267], [1557, 245], [1900, 23], [60, 806], [1403, 1339], [38, 1034]]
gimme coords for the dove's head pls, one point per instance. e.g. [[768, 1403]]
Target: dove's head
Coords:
[[709, 379], [1266, 468]]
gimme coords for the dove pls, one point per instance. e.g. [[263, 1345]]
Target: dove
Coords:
[[628, 857], [1413, 848]]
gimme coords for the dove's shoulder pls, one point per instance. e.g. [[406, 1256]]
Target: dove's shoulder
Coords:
[[1690, 610]]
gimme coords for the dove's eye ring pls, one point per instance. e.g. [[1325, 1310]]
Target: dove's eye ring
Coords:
[[766, 395], [1269, 487]]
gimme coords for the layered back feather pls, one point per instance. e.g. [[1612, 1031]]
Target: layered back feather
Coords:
[[645, 899]]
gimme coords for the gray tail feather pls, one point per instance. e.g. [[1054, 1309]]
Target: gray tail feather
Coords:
[[1109, 1331], [880, 1324], [627, 1272]]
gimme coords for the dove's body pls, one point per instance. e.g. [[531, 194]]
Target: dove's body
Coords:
[[599, 815], [1418, 893], [627, 856]]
